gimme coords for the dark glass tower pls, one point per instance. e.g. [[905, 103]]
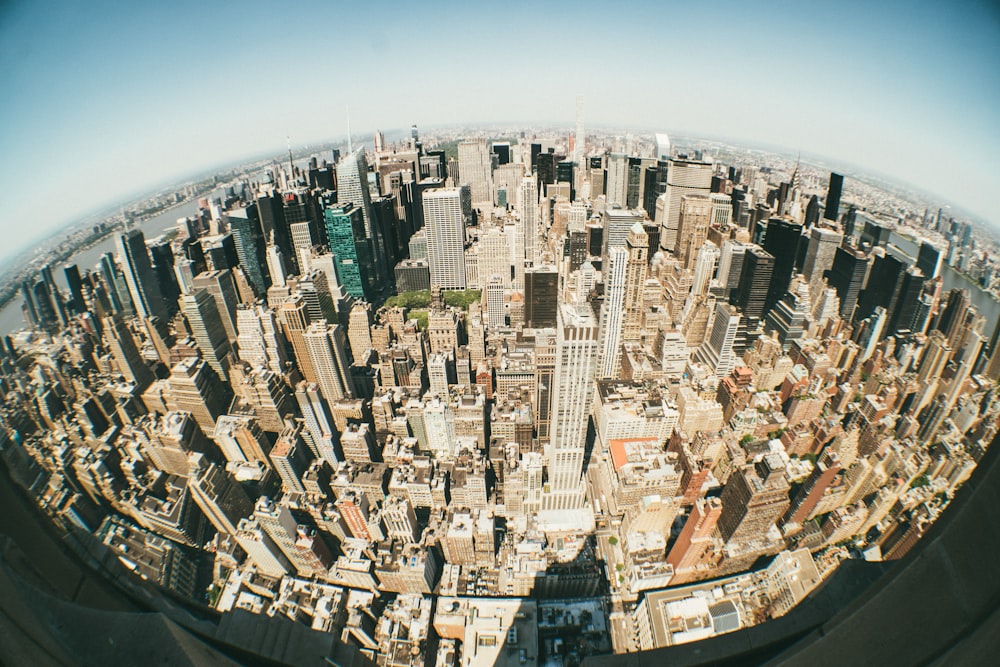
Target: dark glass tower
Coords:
[[782, 242], [541, 289], [832, 209], [847, 276]]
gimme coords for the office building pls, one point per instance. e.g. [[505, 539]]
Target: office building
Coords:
[[684, 176], [446, 213]]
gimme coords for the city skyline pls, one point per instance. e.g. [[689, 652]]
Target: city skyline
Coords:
[[92, 89]]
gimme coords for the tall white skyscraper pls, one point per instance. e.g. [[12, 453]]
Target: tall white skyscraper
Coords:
[[572, 397], [260, 342], [662, 146], [493, 296], [474, 169], [612, 313], [717, 351], [494, 256], [578, 148], [684, 176], [528, 209], [445, 213]]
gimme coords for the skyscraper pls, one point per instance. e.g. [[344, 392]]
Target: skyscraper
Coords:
[[847, 275], [684, 176], [717, 351], [221, 286], [572, 397], [752, 499], [352, 187], [527, 200], [474, 169], [782, 242], [317, 418], [209, 333], [139, 275], [832, 209], [692, 227], [325, 347], [616, 189], [127, 357], [446, 212], [637, 246], [820, 253], [352, 250], [541, 290], [609, 352]]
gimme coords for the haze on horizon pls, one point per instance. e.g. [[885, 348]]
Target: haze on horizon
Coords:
[[108, 99]]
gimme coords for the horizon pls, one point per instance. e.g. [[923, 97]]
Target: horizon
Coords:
[[876, 88]]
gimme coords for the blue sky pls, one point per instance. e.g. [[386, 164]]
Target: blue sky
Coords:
[[105, 99]]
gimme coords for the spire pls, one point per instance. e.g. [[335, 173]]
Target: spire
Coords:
[[350, 148]]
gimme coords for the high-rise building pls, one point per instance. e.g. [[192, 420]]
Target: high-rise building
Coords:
[[833, 193], [446, 212], [474, 168], [717, 351], [294, 317], [249, 240], [847, 275], [127, 357], [820, 253], [289, 458], [316, 416], [260, 341], [929, 260], [72, 274], [751, 294], [572, 399], [753, 498], [221, 286], [609, 351], [617, 224], [202, 313], [195, 388], [755, 280], [684, 176], [616, 189], [139, 275], [352, 250], [637, 245], [692, 227], [782, 241], [324, 344], [359, 331], [541, 290], [352, 187], [695, 539], [528, 210]]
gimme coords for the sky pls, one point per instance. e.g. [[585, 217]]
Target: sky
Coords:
[[105, 100]]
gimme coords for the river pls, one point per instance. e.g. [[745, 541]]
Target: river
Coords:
[[11, 317], [985, 302]]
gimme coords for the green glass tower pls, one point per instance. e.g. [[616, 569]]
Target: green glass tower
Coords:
[[345, 230]]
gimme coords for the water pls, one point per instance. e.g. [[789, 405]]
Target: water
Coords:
[[11, 317], [985, 302]]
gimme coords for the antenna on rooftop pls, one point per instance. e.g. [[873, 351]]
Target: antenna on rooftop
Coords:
[[350, 148]]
